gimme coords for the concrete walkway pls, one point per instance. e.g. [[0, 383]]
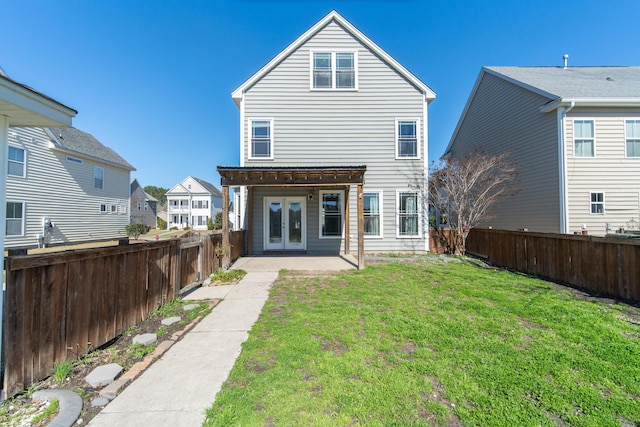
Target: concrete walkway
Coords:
[[177, 389]]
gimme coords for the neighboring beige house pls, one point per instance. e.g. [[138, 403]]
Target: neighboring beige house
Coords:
[[330, 115], [574, 133], [63, 186], [191, 203]]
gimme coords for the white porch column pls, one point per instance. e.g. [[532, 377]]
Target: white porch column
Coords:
[[4, 153]]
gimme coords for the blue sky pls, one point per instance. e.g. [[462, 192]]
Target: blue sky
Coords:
[[153, 79]]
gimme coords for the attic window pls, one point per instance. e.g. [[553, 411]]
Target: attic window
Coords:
[[333, 70], [74, 160]]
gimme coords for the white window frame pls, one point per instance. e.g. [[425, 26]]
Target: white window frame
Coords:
[[139, 206], [380, 235], [333, 70], [626, 139], [584, 139], [397, 210], [592, 203], [95, 169], [104, 209], [321, 193], [22, 219], [397, 139], [250, 155], [23, 163]]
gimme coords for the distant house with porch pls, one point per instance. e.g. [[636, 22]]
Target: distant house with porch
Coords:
[[331, 121], [191, 203], [143, 206]]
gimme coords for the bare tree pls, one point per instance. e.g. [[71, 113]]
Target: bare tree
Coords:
[[465, 188]]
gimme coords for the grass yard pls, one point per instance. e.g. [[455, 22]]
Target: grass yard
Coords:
[[434, 343]]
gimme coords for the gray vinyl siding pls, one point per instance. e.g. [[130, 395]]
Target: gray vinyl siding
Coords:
[[609, 172], [345, 127], [503, 117], [63, 191], [141, 216]]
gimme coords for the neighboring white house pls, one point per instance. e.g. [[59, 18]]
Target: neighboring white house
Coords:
[[63, 186], [329, 113], [192, 202], [574, 133]]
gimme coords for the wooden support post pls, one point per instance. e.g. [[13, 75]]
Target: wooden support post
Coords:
[[347, 228], [226, 246], [249, 221], [360, 227]]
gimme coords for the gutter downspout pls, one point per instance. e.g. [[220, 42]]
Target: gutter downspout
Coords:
[[562, 162]]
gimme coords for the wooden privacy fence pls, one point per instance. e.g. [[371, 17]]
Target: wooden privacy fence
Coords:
[[603, 265], [60, 306]]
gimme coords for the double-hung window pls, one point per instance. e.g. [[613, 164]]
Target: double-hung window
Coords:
[[139, 206], [373, 214], [261, 139], [98, 177], [408, 214], [15, 219], [16, 161], [331, 213], [407, 144], [597, 203], [633, 138], [333, 70], [583, 138]]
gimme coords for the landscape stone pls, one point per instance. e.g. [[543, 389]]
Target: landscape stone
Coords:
[[145, 339], [70, 406], [170, 320], [189, 307], [99, 401], [103, 375]]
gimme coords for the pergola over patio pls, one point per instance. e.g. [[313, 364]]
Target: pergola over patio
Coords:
[[293, 176]]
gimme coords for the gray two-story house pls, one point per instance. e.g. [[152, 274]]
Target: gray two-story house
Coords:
[[574, 133], [64, 186], [330, 123]]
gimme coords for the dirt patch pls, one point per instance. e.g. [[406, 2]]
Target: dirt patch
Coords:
[[436, 396], [120, 350]]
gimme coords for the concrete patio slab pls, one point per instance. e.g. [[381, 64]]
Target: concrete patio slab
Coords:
[[301, 262]]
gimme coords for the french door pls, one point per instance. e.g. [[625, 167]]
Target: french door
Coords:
[[285, 225]]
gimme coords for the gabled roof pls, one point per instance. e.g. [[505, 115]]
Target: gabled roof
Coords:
[[210, 187], [147, 196], [581, 86], [74, 141], [180, 188], [332, 16], [575, 82]]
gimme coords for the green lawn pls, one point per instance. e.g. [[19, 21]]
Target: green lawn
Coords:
[[434, 343]]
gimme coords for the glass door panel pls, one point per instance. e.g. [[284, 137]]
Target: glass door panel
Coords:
[[294, 235], [274, 240]]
